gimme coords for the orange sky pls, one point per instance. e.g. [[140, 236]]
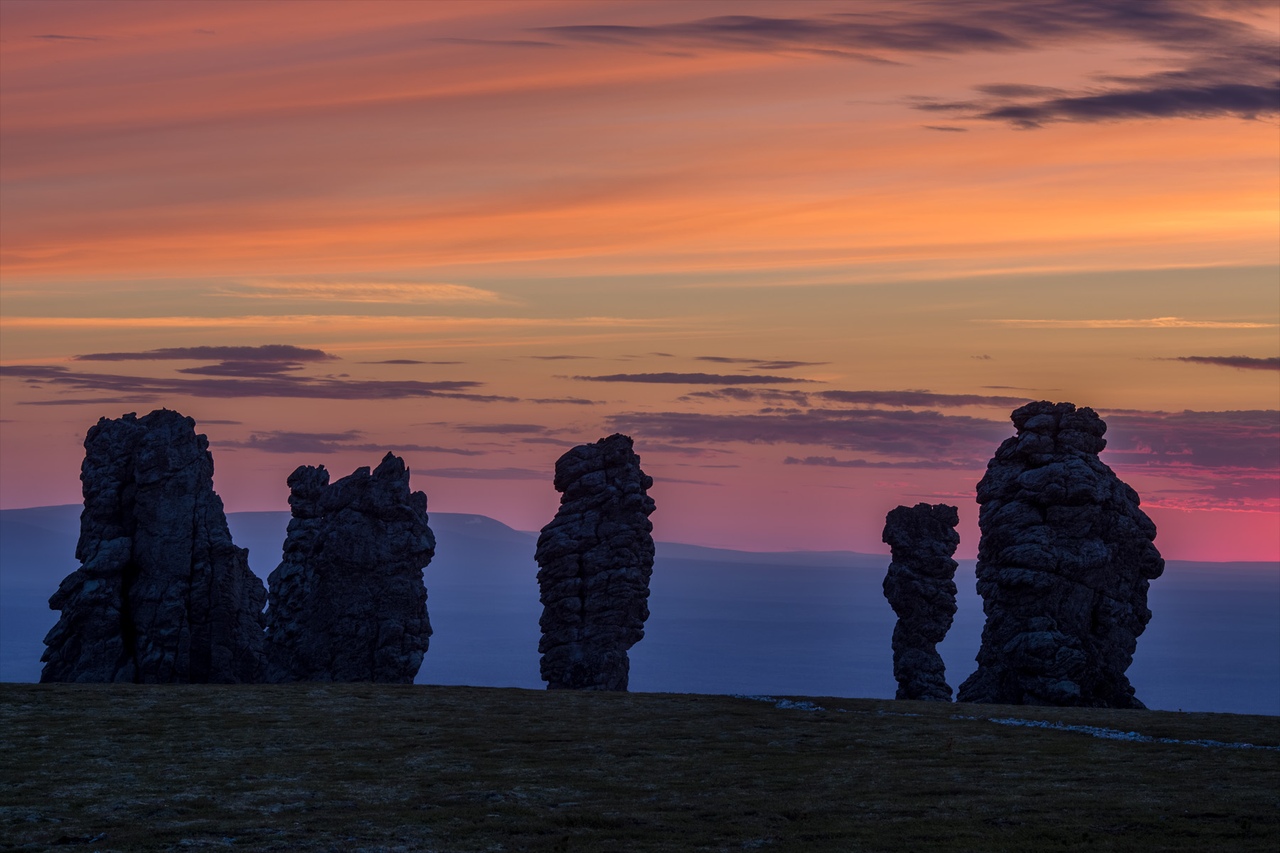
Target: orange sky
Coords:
[[753, 206]]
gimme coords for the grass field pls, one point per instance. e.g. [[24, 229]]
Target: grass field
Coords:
[[371, 767]]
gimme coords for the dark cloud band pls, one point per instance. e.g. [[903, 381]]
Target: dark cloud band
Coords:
[[265, 353], [268, 386], [693, 379], [1240, 362]]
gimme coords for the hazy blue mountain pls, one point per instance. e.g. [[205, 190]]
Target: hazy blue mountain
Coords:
[[722, 621]]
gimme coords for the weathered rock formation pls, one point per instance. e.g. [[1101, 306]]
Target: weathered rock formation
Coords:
[[1064, 564], [162, 594], [596, 558], [347, 602], [921, 589]]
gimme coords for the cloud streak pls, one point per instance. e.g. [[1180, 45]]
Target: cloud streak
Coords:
[[1240, 362], [1149, 323], [403, 361], [925, 464], [916, 399], [392, 293], [1243, 440], [488, 474], [692, 378], [289, 442], [303, 387], [915, 435], [265, 353], [892, 399], [761, 363], [1221, 65], [1241, 100]]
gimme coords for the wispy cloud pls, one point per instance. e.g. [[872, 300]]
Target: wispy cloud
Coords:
[[236, 361], [1222, 66], [489, 474], [244, 369], [1242, 100], [503, 429], [401, 323], [1219, 440], [130, 400], [869, 38], [284, 441], [284, 386], [916, 399], [761, 363], [402, 293], [770, 396], [1149, 323], [409, 361], [1240, 362], [693, 378], [1236, 491], [517, 43], [910, 434], [563, 401], [267, 353], [924, 464], [892, 399]]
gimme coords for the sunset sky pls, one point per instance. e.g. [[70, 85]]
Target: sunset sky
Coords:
[[808, 254]]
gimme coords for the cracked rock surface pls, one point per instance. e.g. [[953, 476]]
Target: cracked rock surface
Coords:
[[921, 588], [347, 602], [1064, 564], [595, 559], [162, 594]]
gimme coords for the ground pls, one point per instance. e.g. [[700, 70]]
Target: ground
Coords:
[[374, 767]]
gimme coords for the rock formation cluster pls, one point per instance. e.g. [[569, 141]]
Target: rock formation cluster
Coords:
[[347, 602], [162, 594], [1064, 564], [595, 559], [921, 589]]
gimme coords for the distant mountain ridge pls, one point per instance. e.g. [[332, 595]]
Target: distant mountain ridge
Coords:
[[254, 530], [723, 621]]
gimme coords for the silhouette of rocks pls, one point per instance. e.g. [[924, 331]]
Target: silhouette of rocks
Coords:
[[162, 594], [921, 589], [347, 602], [596, 558], [1064, 564]]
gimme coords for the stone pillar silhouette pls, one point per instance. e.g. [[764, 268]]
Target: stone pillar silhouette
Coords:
[[347, 602], [595, 559], [921, 589], [162, 594], [1064, 564]]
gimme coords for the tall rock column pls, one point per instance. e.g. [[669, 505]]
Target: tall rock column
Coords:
[[595, 558], [162, 594], [921, 589], [1064, 564], [347, 602]]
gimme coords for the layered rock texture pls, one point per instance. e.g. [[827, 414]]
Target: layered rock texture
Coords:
[[162, 594], [595, 558], [921, 589], [1064, 564], [347, 602]]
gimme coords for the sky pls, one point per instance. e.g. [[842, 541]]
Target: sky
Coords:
[[809, 255]]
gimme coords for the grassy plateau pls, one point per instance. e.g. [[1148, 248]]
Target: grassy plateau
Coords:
[[375, 767]]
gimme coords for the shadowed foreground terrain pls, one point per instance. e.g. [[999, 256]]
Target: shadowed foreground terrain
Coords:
[[380, 767]]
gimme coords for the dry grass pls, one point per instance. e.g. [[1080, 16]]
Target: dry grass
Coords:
[[365, 767]]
